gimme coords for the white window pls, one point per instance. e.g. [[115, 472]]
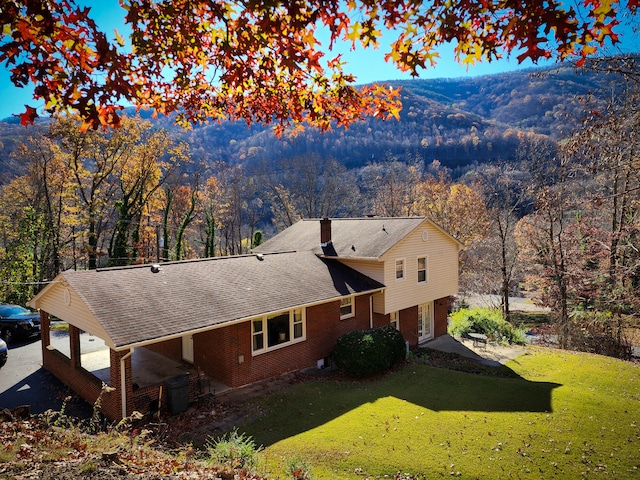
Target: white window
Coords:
[[400, 269], [346, 308], [275, 331], [395, 320], [422, 269]]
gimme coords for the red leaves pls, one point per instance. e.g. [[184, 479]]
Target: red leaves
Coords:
[[261, 61], [28, 117]]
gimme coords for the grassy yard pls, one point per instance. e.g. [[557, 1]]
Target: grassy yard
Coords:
[[550, 414]]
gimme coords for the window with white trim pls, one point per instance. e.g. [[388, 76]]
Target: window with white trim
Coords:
[[422, 269], [347, 308], [400, 269], [394, 320], [277, 330]]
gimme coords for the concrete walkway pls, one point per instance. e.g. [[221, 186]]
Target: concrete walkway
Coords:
[[492, 355]]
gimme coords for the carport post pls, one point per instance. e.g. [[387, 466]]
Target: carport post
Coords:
[[74, 346], [123, 381], [45, 327]]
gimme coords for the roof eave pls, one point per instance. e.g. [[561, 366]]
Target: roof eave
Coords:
[[173, 336]]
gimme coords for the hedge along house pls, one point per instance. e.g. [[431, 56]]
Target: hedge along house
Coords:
[[239, 320]]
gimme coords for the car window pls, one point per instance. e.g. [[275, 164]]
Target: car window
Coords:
[[11, 310]]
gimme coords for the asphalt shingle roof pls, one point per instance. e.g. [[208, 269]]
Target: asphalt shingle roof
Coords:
[[134, 305], [368, 237]]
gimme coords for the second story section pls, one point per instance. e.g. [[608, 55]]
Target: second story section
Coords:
[[413, 257]]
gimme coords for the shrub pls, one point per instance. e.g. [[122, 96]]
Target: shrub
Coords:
[[298, 469], [233, 450], [598, 332], [362, 353], [487, 321]]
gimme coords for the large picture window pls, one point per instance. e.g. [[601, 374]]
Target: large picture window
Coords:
[[277, 330]]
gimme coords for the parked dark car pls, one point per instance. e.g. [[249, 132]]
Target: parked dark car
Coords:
[[17, 322], [3, 352]]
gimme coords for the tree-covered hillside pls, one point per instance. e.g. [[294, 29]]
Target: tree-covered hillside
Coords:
[[458, 122]]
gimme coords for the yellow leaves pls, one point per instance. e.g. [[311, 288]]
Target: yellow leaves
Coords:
[[456, 207], [602, 8], [472, 55], [354, 32], [119, 38]]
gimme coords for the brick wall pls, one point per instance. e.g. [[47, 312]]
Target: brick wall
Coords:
[[380, 319], [441, 315], [152, 398], [409, 325], [170, 348], [225, 354], [82, 382]]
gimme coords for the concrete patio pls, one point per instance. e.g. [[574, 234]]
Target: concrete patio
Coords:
[[148, 368], [489, 354]]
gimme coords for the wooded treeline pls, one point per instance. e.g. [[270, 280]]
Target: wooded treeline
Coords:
[[560, 219], [460, 122]]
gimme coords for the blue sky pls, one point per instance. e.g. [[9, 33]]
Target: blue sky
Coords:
[[368, 65]]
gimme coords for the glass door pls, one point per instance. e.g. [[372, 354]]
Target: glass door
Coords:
[[425, 321]]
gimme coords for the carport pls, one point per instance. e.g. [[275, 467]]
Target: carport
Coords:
[[134, 379]]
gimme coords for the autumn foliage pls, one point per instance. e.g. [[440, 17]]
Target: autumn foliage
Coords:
[[264, 61]]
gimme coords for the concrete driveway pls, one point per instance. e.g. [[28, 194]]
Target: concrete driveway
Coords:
[[23, 381]]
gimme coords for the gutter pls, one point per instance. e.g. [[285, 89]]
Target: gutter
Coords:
[[123, 381], [371, 311], [207, 328]]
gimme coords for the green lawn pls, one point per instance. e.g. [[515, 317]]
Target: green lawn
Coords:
[[554, 414]]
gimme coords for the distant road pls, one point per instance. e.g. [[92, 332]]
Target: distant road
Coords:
[[520, 304]]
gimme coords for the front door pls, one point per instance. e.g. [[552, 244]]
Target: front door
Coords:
[[187, 348], [425, 322]]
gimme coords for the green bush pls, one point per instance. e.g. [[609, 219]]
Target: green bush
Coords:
[[233, 450], [298, 469], [487, 321], [362, 353]]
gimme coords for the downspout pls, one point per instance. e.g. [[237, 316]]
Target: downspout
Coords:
[[371, 311], [123, 381]]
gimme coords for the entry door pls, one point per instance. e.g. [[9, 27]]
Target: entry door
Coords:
[[187, 348], [425, 321]]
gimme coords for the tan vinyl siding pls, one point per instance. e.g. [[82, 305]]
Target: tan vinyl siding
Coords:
[[75, 312], [372, 269], [378, 303], [442, 269]]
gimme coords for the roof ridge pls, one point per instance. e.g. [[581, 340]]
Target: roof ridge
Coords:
[[420, 217], [190, 261]]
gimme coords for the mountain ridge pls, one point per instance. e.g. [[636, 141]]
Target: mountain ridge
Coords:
[[457, 121]]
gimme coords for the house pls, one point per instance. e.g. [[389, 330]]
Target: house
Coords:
[[413, 258], [238, 320]]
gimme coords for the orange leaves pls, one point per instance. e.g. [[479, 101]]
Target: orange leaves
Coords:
[[262, 61]]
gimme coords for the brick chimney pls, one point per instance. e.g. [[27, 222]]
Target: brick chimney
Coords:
[[325, 231]]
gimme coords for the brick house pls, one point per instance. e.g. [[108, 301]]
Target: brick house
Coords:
[[242, 319]]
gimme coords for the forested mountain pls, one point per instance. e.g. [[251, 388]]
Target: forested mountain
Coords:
[[458, 122]]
